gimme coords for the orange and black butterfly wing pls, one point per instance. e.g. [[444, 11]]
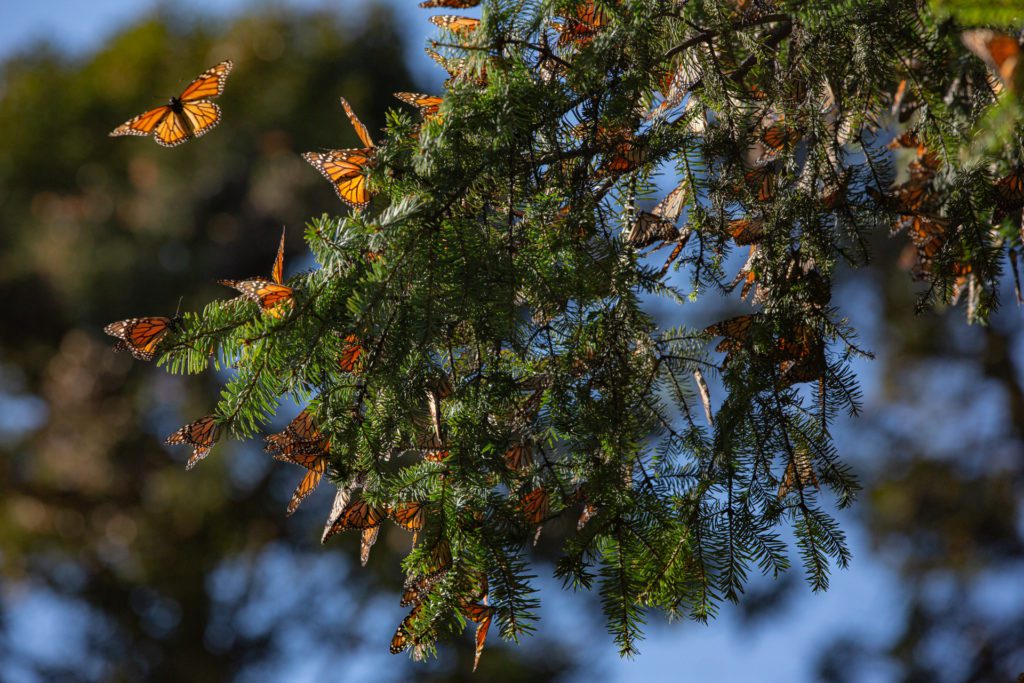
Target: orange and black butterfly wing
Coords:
[[455, 23], [277, 272], [519, 456], [269, 295], [143, 124], [450, 4], [173, 130], [200, 117], [403, 638], [306, 486], [361, 130], [208, 84], [429, 105], [535, 506], [344, 169], [409, 516], [481, 615], [201, 435], [140, 336], [350, 354]]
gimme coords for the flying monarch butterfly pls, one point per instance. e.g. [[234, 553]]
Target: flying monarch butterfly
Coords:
[[1000, 52], [450, 4], [351, 352], [429, 105], [345, 168], [481, 614], [141, 336], [273, 296], [201, 435], [454, 23], [519, 456], [184, 117]]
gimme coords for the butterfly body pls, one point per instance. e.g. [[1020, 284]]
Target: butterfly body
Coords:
[[184, 117]]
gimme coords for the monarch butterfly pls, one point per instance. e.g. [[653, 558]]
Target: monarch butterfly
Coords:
[[403, 637], [345, 168], [481, 614], [458, 68], [317, 465], [671, 207], [581, 29], [626, 156], [1000, 52], [779, 136], [799, 473], [358, 515], [201, 435], [451, 4], [409, 516], [588, 513], [429, 105], [299, 439], [907, 140], [351, 351], [455, 24], [141, 336], [535, 505], [273, 296], [1010, 190], [184, 117], [737, 331], [519, 456], [651, 227], [302, 444], [417, 589], [762, 180], [746, 231]]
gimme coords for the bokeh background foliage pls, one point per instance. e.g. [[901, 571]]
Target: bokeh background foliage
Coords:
[[145, 572]]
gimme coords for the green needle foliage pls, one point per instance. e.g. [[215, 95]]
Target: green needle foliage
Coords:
[[477, 343]]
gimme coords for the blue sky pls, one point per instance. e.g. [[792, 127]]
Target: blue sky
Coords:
[[862, 600]]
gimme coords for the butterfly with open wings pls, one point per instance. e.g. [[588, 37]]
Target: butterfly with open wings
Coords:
[[184, 117]]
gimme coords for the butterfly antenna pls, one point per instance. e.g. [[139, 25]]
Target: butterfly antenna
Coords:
[[177, 311]]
